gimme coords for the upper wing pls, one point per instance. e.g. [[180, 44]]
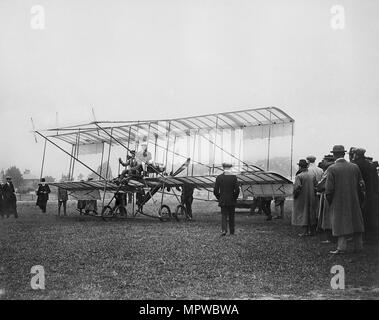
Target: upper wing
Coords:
[[96, 133]]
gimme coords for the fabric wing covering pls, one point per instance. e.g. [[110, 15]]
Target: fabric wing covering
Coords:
[[123, 131]]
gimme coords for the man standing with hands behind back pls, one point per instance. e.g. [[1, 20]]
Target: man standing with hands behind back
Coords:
[[226, 191]]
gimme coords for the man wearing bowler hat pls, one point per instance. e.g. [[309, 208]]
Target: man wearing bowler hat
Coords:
[[344, 191], [226, 191], [43, 195], [305, 200]]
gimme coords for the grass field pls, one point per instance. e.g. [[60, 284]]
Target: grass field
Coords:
[[143, 258]]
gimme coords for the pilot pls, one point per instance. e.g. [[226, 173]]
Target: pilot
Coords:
[[131, 165]]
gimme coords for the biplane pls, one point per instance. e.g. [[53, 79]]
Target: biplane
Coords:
[[183, 151]]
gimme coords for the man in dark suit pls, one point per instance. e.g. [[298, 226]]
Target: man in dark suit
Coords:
[[186, 198], [226, 191], [43, 195], [9, 199], [62, 199], [1, 202], [369, 175]]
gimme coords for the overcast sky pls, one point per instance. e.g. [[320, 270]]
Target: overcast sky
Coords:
[[133, 60]]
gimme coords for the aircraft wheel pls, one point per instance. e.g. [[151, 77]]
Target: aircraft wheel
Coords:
[[122, 212], [180, 212], [107, 212], [164, 213]]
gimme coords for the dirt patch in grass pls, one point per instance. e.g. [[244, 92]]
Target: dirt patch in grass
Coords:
[[143, 258]]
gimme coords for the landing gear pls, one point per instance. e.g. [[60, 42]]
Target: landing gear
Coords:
[[164, 213], [107, 212], [180, 213], [118, 211]]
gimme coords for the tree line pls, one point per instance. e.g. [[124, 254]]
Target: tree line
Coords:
[[22, 186]]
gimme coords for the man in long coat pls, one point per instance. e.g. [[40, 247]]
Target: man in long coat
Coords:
[[317, 172], [1, 201], [43, 195], [369, 175], [305, 200], [344, 191], [226, 191], [9, 199], [323, 221]]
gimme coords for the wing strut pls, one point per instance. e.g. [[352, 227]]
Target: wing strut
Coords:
[[60, 148]]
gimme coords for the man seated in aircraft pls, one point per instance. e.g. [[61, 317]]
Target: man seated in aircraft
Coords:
[[132, 166], [143, 158]]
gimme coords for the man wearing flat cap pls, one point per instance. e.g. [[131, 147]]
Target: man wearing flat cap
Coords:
[[344, 191], [369, 210], [226, 191], [305, 200], [312, 168], [317, 172]]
